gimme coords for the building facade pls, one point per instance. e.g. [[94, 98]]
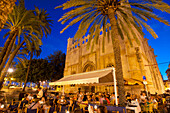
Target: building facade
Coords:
[[6, 7], [137, 61], [167, 82]]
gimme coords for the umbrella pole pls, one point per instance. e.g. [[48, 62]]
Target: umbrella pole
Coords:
[[63, 89], [114, 79]]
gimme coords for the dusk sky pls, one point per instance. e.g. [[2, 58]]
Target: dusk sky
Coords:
[[56, 41]]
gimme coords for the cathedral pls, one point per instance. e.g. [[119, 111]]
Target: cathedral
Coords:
[[138, 62]]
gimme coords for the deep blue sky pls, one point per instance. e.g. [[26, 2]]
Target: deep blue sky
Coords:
[[57, 41]]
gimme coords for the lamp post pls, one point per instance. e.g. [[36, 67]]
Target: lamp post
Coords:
[[145, 83], [10, 70]]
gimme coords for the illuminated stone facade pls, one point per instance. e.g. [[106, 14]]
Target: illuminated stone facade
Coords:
[[137, 61], [6, 7]]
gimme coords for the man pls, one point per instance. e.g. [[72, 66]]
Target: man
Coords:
[[34, 105], [40, 93], [112, 98]]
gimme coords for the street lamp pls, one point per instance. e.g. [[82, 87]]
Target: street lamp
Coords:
[[10, 70], [145, 83]]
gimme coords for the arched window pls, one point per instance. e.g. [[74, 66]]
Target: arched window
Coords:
[[110, 65], [73, 72]]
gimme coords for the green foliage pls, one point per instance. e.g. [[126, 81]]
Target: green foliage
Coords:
[[29, 25], [51, 68], [40, 70], [131, 15], [57, 61]]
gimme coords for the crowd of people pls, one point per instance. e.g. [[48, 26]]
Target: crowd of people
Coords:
[[87, 102]]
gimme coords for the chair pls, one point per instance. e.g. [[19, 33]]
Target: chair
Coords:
[[16, 108], [124, 111], [115, 111], [151, 108], [52, 109], [47, 110], [104, 101], [32, 110], [85, 110]]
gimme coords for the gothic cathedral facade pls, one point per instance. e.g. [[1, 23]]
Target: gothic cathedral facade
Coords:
[[137, 61]]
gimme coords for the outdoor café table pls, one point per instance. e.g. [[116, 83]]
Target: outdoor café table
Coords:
[[63, 105], [82, 105], [133, 109], [111, 108], [134, 106]]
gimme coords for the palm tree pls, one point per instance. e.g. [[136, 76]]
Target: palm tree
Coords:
[[32, 52], [123, 17], [30, 29], [20, 22], [44, 27]]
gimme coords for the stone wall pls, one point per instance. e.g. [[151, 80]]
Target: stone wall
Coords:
[[137, 61]]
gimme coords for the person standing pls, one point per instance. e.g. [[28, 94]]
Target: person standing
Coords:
[[112, 98], [40, 93]]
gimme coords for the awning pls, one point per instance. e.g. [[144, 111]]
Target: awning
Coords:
[[104, 76], [131, 81], [99, 76]]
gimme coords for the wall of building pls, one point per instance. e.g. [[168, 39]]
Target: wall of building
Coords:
[[137, 61]]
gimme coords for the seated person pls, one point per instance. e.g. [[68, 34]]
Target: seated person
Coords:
[[128, 97], [30, 97], [42, 101], [106, 98], [84, 103], [62, 100], [102, 109], [55, 100], [62, 103], [135, 102], [89, 98], [2, 103], [78, 111], [46, 107], [24, 100], [40, 93], [71, 104], [34, 105]]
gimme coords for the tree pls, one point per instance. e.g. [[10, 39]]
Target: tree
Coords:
[[42, 16], [32, 52], [5, 8], [57, 61], [29, 29], [40, 70], [123, 15], [51, 68]]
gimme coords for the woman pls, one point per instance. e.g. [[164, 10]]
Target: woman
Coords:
[[102, 109]]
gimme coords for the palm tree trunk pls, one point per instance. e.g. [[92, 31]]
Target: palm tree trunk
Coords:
[[6, 57], [29, 65], [3, 73], [117, 56], [3, 52], [2, 64]]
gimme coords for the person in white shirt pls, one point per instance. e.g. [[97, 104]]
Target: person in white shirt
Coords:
[[30, 97], [143, 98], [34, 105], [136, 103], [40, 93]]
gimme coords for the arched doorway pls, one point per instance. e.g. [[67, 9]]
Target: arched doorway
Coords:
[[89, 66]]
